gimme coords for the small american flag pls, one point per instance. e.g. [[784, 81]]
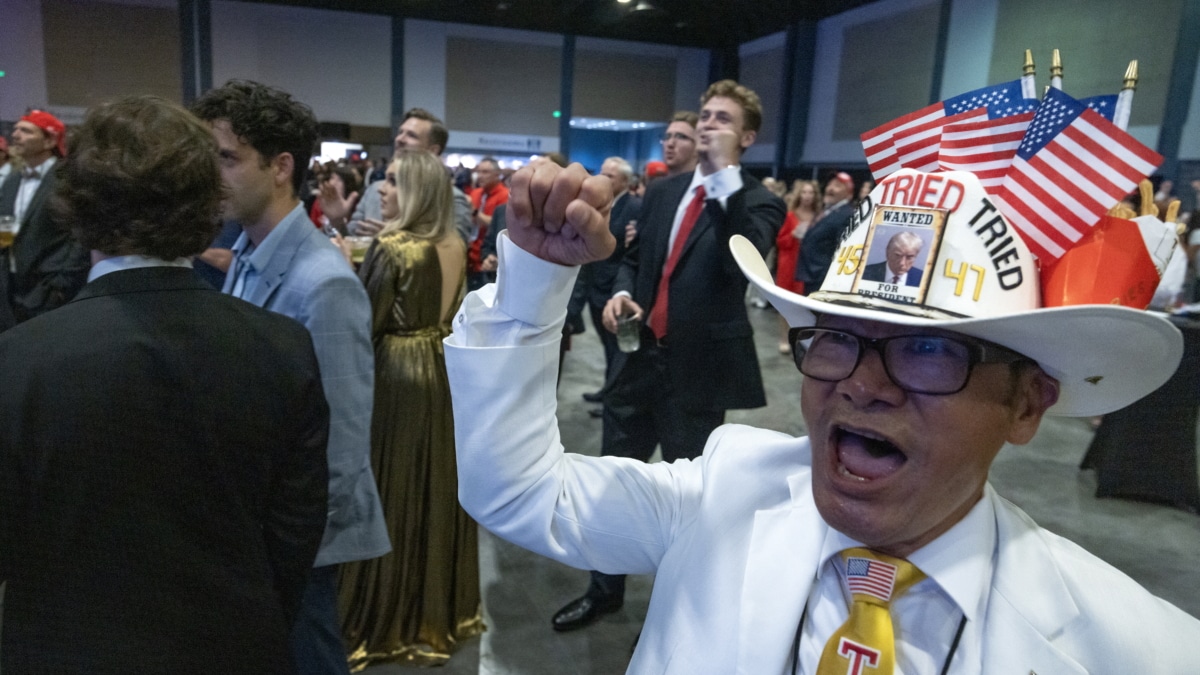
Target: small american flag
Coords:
[[986, 148], [1071, 167], [878, 143], [871, 577], [1105, 105], [918, 147]]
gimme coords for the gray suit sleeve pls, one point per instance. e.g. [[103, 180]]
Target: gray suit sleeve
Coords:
[[462, 215], [370, 206]]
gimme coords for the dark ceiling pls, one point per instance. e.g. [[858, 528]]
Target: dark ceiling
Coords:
[[689, 23]]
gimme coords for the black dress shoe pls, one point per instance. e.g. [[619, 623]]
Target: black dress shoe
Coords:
[[584, 611], [596, 412], [593, 396]]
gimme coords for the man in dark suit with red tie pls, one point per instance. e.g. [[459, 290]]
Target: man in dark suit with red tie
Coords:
[[697, 358]]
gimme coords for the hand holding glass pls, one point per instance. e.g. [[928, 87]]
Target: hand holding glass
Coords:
[[8, 230], [629, 338]]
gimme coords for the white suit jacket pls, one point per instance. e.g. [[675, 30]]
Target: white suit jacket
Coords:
[[734, 537]]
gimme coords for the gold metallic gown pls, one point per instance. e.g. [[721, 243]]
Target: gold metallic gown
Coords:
[[418, 602]]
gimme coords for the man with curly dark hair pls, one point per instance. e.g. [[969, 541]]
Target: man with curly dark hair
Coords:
[[283, 263], [164, 494]]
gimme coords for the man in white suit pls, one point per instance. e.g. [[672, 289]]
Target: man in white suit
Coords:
[[906, 409]]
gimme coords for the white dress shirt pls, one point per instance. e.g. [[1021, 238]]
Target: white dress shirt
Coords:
[[958, 567], [31, 180], [718, 185], [132, 262]]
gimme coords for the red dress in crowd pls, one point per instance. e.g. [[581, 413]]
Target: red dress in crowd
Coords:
[[789, 252]]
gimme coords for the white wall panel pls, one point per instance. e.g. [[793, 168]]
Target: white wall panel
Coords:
[[339, 63]]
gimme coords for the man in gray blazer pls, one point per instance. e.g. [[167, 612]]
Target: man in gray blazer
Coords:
[[281, 262]]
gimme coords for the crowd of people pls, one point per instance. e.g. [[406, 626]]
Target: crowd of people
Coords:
[[267, 479]]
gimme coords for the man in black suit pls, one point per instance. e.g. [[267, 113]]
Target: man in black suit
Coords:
[[697, 358], [824, 235], [601, 275], [45, 266], [162, 464], [902, 251]]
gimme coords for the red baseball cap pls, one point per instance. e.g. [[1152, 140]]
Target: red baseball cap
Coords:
[[845, 178], [51, 125], [656, 169]]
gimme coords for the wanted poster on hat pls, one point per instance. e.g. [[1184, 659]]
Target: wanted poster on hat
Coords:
[[901, 243]]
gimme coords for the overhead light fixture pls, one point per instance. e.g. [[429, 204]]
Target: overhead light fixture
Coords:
[[624, 2]]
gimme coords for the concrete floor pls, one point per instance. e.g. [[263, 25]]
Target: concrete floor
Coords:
[[1156, 545]]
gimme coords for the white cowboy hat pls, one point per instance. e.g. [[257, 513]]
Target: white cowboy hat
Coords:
[[979, 280]]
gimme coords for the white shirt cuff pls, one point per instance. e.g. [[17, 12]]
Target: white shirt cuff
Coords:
[[526, 305], [723, 183]]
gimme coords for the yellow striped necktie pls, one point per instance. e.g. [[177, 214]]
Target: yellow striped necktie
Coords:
[[866, 643]]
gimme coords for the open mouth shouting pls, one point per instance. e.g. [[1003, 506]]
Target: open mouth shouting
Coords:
[[864, 455]]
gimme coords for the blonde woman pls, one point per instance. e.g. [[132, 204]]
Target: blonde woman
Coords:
[[417, 603], [802, 209]]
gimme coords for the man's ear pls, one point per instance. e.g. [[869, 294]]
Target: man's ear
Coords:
[[1035, 392], [748, 138], [284, 165]]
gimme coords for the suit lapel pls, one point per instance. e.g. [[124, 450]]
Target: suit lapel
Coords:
[[39, 197], [712, 211], [616, 219], [674, 194], [8, 192], [271, 276], [780, 568], [1029, 603]]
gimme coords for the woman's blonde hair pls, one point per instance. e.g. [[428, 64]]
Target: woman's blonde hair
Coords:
[[794, 196], [424, 196]]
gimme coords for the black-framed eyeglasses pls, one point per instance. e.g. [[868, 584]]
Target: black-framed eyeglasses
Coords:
[[919, 364], [676, 136]]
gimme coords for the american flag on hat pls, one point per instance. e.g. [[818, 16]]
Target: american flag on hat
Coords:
[[879, 143], [1071, 166], [986, 147], [917, 147], [1105, 105]]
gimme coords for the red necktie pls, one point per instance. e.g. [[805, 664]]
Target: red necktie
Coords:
[[658, 313]]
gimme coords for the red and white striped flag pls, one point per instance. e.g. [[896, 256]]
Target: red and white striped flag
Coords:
[[918, 147], [878, 143], [1071, 167], [986, 147]]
